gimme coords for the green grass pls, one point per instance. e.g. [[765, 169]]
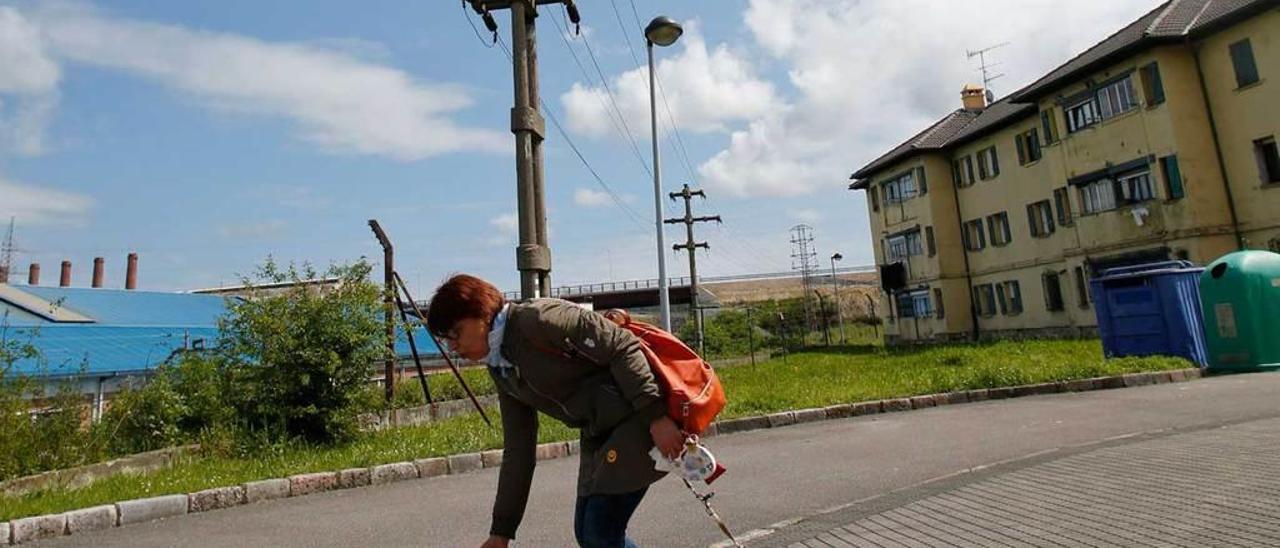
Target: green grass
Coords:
[[810, 379]]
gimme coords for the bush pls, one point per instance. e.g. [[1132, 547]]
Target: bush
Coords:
[[143, 417], [300, 359]]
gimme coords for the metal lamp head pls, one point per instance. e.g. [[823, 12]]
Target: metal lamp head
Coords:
[[837, 257], [663, 31]]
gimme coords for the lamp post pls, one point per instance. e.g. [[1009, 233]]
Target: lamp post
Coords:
[[835, 290], [662, 31]]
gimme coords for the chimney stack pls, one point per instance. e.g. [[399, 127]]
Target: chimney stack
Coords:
[[33, 274], [974, 97], [98, 265], [66, 275], [131, 274]]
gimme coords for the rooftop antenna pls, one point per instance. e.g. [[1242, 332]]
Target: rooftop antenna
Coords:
[[988, 75], [6, 253]]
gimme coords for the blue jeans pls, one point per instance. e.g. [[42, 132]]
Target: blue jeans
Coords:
[[600, 521]]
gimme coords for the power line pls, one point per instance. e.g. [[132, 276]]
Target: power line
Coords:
[[604, 82]]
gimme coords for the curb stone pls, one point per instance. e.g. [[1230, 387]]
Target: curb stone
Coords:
[[466, 462], [139, 510], [353, 477], [215, 499], [133, 511], [391, 473], [270, 489], [38, 527], [431, 468], [91, 519]]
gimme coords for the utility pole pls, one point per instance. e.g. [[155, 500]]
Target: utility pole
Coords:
[[6, 254], [533, 255], [388, 305], [695, 313], [805, 259]]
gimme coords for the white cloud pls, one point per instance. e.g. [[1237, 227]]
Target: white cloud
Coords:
[[29, 79], [707, 89], [252, 230], [334, 98], [869, 74], [805, 215], [506, 228], [33, 205], [590, 197]]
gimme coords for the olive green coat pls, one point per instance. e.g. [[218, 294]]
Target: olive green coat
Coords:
[[575, 366]]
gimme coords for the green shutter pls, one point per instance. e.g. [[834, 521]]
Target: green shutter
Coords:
[[1173, 177], [921, 183], [1152, 84], [995, 162], [1022, 150], [1242, 60]]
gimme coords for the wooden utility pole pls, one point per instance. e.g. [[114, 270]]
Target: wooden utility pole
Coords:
[[533, 255], [695, 312], [389, 293]]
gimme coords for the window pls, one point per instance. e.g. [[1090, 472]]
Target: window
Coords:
[[929, 241], [1049, 125], [900, 188], [1010, 296], [914, 304], [1242, 60], [974, 237], [1040, 218], [903, 246], [962, 171], [1172, 177], [1082, 288], [1152, 86], [1028, 147], [938, 311], [1052, 292], [998, 227], [1268, 160], [984, 297], [1062, 199], [988, 163], [1098, 196], [873, 198], [1136, 187], [921, 182], [1105, 102]]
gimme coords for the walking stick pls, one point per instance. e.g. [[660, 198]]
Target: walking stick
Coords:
[[706, 501], [447, 360], [413, 348]]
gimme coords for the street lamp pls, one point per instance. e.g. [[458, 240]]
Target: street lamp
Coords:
[[835, 289], [662, 31]]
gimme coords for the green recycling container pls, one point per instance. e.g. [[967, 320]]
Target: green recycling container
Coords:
[[1240, 296]]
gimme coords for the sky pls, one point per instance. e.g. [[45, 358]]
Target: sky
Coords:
[[207, 136]]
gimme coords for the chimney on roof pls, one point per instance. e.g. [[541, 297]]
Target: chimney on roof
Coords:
[[66, 275], [33, 274], [131, 273], [98, 264], [974, 97]]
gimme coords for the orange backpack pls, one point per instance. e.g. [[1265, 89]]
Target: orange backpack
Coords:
[[694, 394]]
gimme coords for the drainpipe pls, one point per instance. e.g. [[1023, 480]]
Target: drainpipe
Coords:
[[968, 273], [1217, 146]]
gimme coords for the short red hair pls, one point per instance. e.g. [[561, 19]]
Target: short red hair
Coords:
[[462, 297]]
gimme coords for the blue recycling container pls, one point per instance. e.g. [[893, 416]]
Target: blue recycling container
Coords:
[[1151, 310]]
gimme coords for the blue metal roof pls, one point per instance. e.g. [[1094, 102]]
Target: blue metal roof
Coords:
[[133, 331]]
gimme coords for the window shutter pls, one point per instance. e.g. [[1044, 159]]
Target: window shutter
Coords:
[[968, 164], [939, 311], [928, 236], [964, 235], [1031, 221], [1048, 216], [995, 162], [1173, 177], [982, 237], [1000, 297], [1058, 196], [1242, 60], [920, 181], [1022, 152], [1152, 87]]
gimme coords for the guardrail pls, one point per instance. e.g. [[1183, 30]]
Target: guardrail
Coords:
[[652, 283]]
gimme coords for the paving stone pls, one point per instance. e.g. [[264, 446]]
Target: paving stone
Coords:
[[461, 464], [744, 424], [1080, 385], [433, 467], [868, 408], [575, 447], [1108, 383], [1038, 389], [549, 451], [810, 415], [785, 418], [491, 458], [140, 510], [841, 411], [353, 477], [953, 398], [5, 537], [1179, 375], [980, 394], [921, 402], [1137, 379], [1000, 393], [1194, 373], [899, 404], [1161, 377], [38, 527], [215, 499], [318, 482], [257, 491], [391, 473], [92, 519]]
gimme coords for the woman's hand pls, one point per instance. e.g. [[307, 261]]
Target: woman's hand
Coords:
[[496, 542], [667, 437]]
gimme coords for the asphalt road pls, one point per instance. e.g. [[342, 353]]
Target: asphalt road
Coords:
[[774, 475]]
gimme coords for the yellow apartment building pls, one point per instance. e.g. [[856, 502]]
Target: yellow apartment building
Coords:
[[1158, 143]]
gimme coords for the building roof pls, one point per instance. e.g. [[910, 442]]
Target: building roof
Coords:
[[932, 138], [126, 332]]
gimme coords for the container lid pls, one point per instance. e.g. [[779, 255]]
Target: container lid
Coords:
[[1150, 269]]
